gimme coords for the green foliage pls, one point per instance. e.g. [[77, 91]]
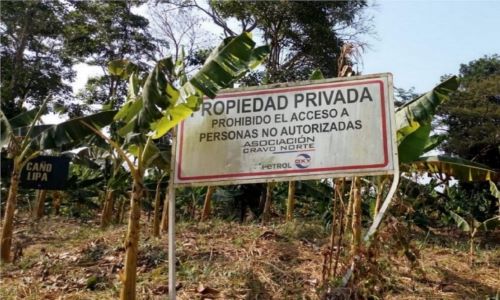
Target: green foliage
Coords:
[[159, 106], [486, 225], [71, 132], [414, 118], [100, 32], [490, 224], [34, 60], [5, 130], [461, 222], [494, 190], [316, 75], [303, 36], [413, 145], [472, 117]]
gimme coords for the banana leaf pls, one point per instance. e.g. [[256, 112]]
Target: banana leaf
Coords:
[[227, 63], [489, 224], [23, 119], [73, 131], [5, 130], [419, 112], [163, 105], [458, 168], [433, 141], [461, 223], [414, 144], [494, 191]]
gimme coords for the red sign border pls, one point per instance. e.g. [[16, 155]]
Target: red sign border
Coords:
[[297, 171]]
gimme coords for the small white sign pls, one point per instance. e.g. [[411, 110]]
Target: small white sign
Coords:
[[306, 130]]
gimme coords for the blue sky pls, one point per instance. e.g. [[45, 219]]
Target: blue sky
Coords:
[[418, 41]]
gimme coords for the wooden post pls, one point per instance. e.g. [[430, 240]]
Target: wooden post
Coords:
[[290, 204], [40, 204], [207, 205], [356, 218]]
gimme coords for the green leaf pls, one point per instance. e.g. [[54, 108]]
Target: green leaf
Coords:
[[164, 106], [174, 117], [433, 142], [413, 145], [227, 63], [154, 157], [461, 223], [459, 168], [316, 75], [489, 224], [5, 130], [420, 111], [494, 191], [24, 119], [133, 86], [122, 68], [72, 131], [157, 95], [129, 110], [258, 56]]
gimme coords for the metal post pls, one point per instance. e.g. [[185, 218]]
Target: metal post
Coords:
[[171, 222]]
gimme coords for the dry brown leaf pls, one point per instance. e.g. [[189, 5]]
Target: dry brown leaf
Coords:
[[161, 290], [204, 290]]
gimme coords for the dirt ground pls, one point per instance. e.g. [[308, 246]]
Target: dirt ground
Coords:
[[61, 258]]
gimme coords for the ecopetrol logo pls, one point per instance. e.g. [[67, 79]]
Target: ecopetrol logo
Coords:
[[303, 160]]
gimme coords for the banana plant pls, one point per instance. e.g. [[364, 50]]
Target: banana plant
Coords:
[[413, 123], [473, 227], [155, 104], [26, 142]]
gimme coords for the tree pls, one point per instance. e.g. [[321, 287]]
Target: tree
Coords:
[[302, 36], [471, 121], [472, 117], [98, 32], [34, 61]]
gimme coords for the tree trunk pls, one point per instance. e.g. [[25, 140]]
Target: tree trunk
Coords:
[[266, 214], [156, 217], [380, 192], [132, 244], [56, 202], [107, 210], [356, 218], [164, 215], [207, 205], [121, 210], [8, 220], [40, 204], [340, 193], [290, 204], [348, 213], [471, 250]]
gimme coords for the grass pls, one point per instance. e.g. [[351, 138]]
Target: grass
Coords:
[[66, 259]]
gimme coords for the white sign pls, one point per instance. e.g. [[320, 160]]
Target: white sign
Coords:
[[307, 130]]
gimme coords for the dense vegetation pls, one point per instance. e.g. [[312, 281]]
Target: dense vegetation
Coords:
[[262, 241]]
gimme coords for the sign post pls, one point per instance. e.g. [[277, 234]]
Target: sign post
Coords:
[[297, 131], [340, 127], [45, 173], [171, 223]]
